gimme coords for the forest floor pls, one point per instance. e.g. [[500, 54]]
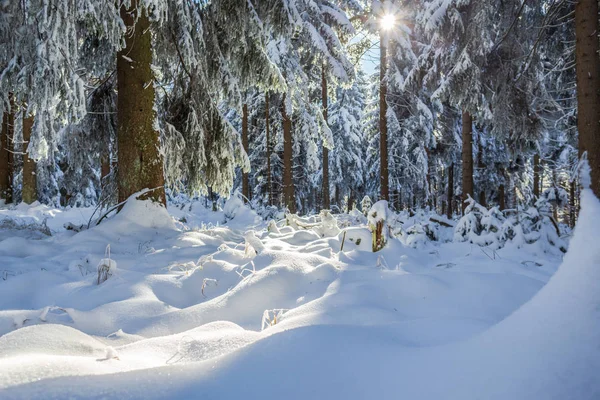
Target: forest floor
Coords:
[[206, 309]]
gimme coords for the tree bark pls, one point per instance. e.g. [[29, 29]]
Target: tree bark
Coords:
[[245, 183], [536, 176], [10, 141], [383, 128], [29, 188], [588, 85], [289, 199], [268, 146], [467, 158], [325, 101], [450, 198], [140, 163], [4, 153], [572, 204], [501, 198]]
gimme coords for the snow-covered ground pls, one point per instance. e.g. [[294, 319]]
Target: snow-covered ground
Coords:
[[195, 308]]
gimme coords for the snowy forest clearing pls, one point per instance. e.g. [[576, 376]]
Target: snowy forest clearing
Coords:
[[198, 313]]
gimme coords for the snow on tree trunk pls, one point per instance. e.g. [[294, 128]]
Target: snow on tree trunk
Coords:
[[245, 184], [4, 154], [324, 101], [140, 162], [29, 191], [588, 85], [383, 149], [467, 158], [288, 173], [10, 148], [572, 207], [268, 146], [377, 218]]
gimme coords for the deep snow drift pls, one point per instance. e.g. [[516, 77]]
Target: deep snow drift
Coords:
[[198, 309]]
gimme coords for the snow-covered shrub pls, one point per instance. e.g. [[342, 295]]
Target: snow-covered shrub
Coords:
[[328, 226], [490, 227], [106, 267], [232, 206], [365, 205], [377, 219], [253, 242]]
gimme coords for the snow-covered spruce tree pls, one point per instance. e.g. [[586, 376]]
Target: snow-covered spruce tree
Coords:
[[347, 159], [38, 70], [473, 70]]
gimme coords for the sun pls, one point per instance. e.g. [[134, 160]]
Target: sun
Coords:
[[388, 21]]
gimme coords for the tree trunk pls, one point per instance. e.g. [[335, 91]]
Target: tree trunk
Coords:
[[289, 199], [383, 145], [501, 198], [29, 191], [536, 176], [588, 85], [10, 141], [245, 184], [450, 198], [140, 163], [572, 205], [268, 146], [324, 100], [467, 158], [4, 154]]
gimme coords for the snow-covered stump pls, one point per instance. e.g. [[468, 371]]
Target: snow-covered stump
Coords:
[[378, 226]]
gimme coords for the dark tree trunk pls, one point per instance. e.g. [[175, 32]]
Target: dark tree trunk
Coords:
[[588, 85], [450, 198], [572, 203], [536, 176], [467, 158], [501, 198], [289, 199], [29, 191], [482, 199], [245, 184], [4, 154], [268, 146], [140, 163], [383, 145], [325, 103], [10, 140]]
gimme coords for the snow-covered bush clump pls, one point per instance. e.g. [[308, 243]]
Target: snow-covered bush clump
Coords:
[[328, 226], [366, 204], [490, 227], [233, 205]]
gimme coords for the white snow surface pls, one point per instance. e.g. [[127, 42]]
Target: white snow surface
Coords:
[[181, 317]]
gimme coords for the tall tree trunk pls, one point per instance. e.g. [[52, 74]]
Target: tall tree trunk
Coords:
[[140, 163], [325, 103], [245, 183], [501, 198], [572, 203], [536, 176], [4, 154], [289, 197], [10, 140], [467, 158], [588, 85], [268, 146], [450, 198], [383, 145], [29, 191], [480, 169]]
